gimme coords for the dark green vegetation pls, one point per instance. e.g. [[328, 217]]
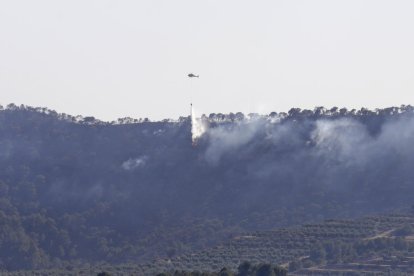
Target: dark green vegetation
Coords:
[[77, 192], [244, 269]]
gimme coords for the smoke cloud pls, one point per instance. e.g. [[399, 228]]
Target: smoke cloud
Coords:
[[231, 137], [134, 163], [329, 147]]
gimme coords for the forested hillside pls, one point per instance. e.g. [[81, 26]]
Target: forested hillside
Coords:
[[77, 190]]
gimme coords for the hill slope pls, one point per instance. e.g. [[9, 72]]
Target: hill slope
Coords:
[[77, 190]]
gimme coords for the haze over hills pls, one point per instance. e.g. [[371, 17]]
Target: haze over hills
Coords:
[[78, 190]]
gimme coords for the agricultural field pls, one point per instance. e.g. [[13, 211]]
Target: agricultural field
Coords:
[[376, 245]]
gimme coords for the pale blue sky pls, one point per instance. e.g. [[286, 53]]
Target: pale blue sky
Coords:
[[121, 58]]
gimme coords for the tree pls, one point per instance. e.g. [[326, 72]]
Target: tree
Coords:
[[294, 112], [265, 270], [225, 272], [103, 273], [244, 269], [295, 265], [318, 254], [280, 271]]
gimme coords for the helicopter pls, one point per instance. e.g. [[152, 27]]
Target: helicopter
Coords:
[[191, 75]]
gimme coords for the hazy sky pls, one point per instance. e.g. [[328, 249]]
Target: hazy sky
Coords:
[[120, 58]]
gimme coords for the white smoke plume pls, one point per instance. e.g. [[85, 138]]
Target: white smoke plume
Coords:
[[224, 139], [349, 141], [134, 163], [198, 126], [345, 140]]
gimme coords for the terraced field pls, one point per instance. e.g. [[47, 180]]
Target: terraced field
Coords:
[[282, 246], [384, 265], [366, 246]]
